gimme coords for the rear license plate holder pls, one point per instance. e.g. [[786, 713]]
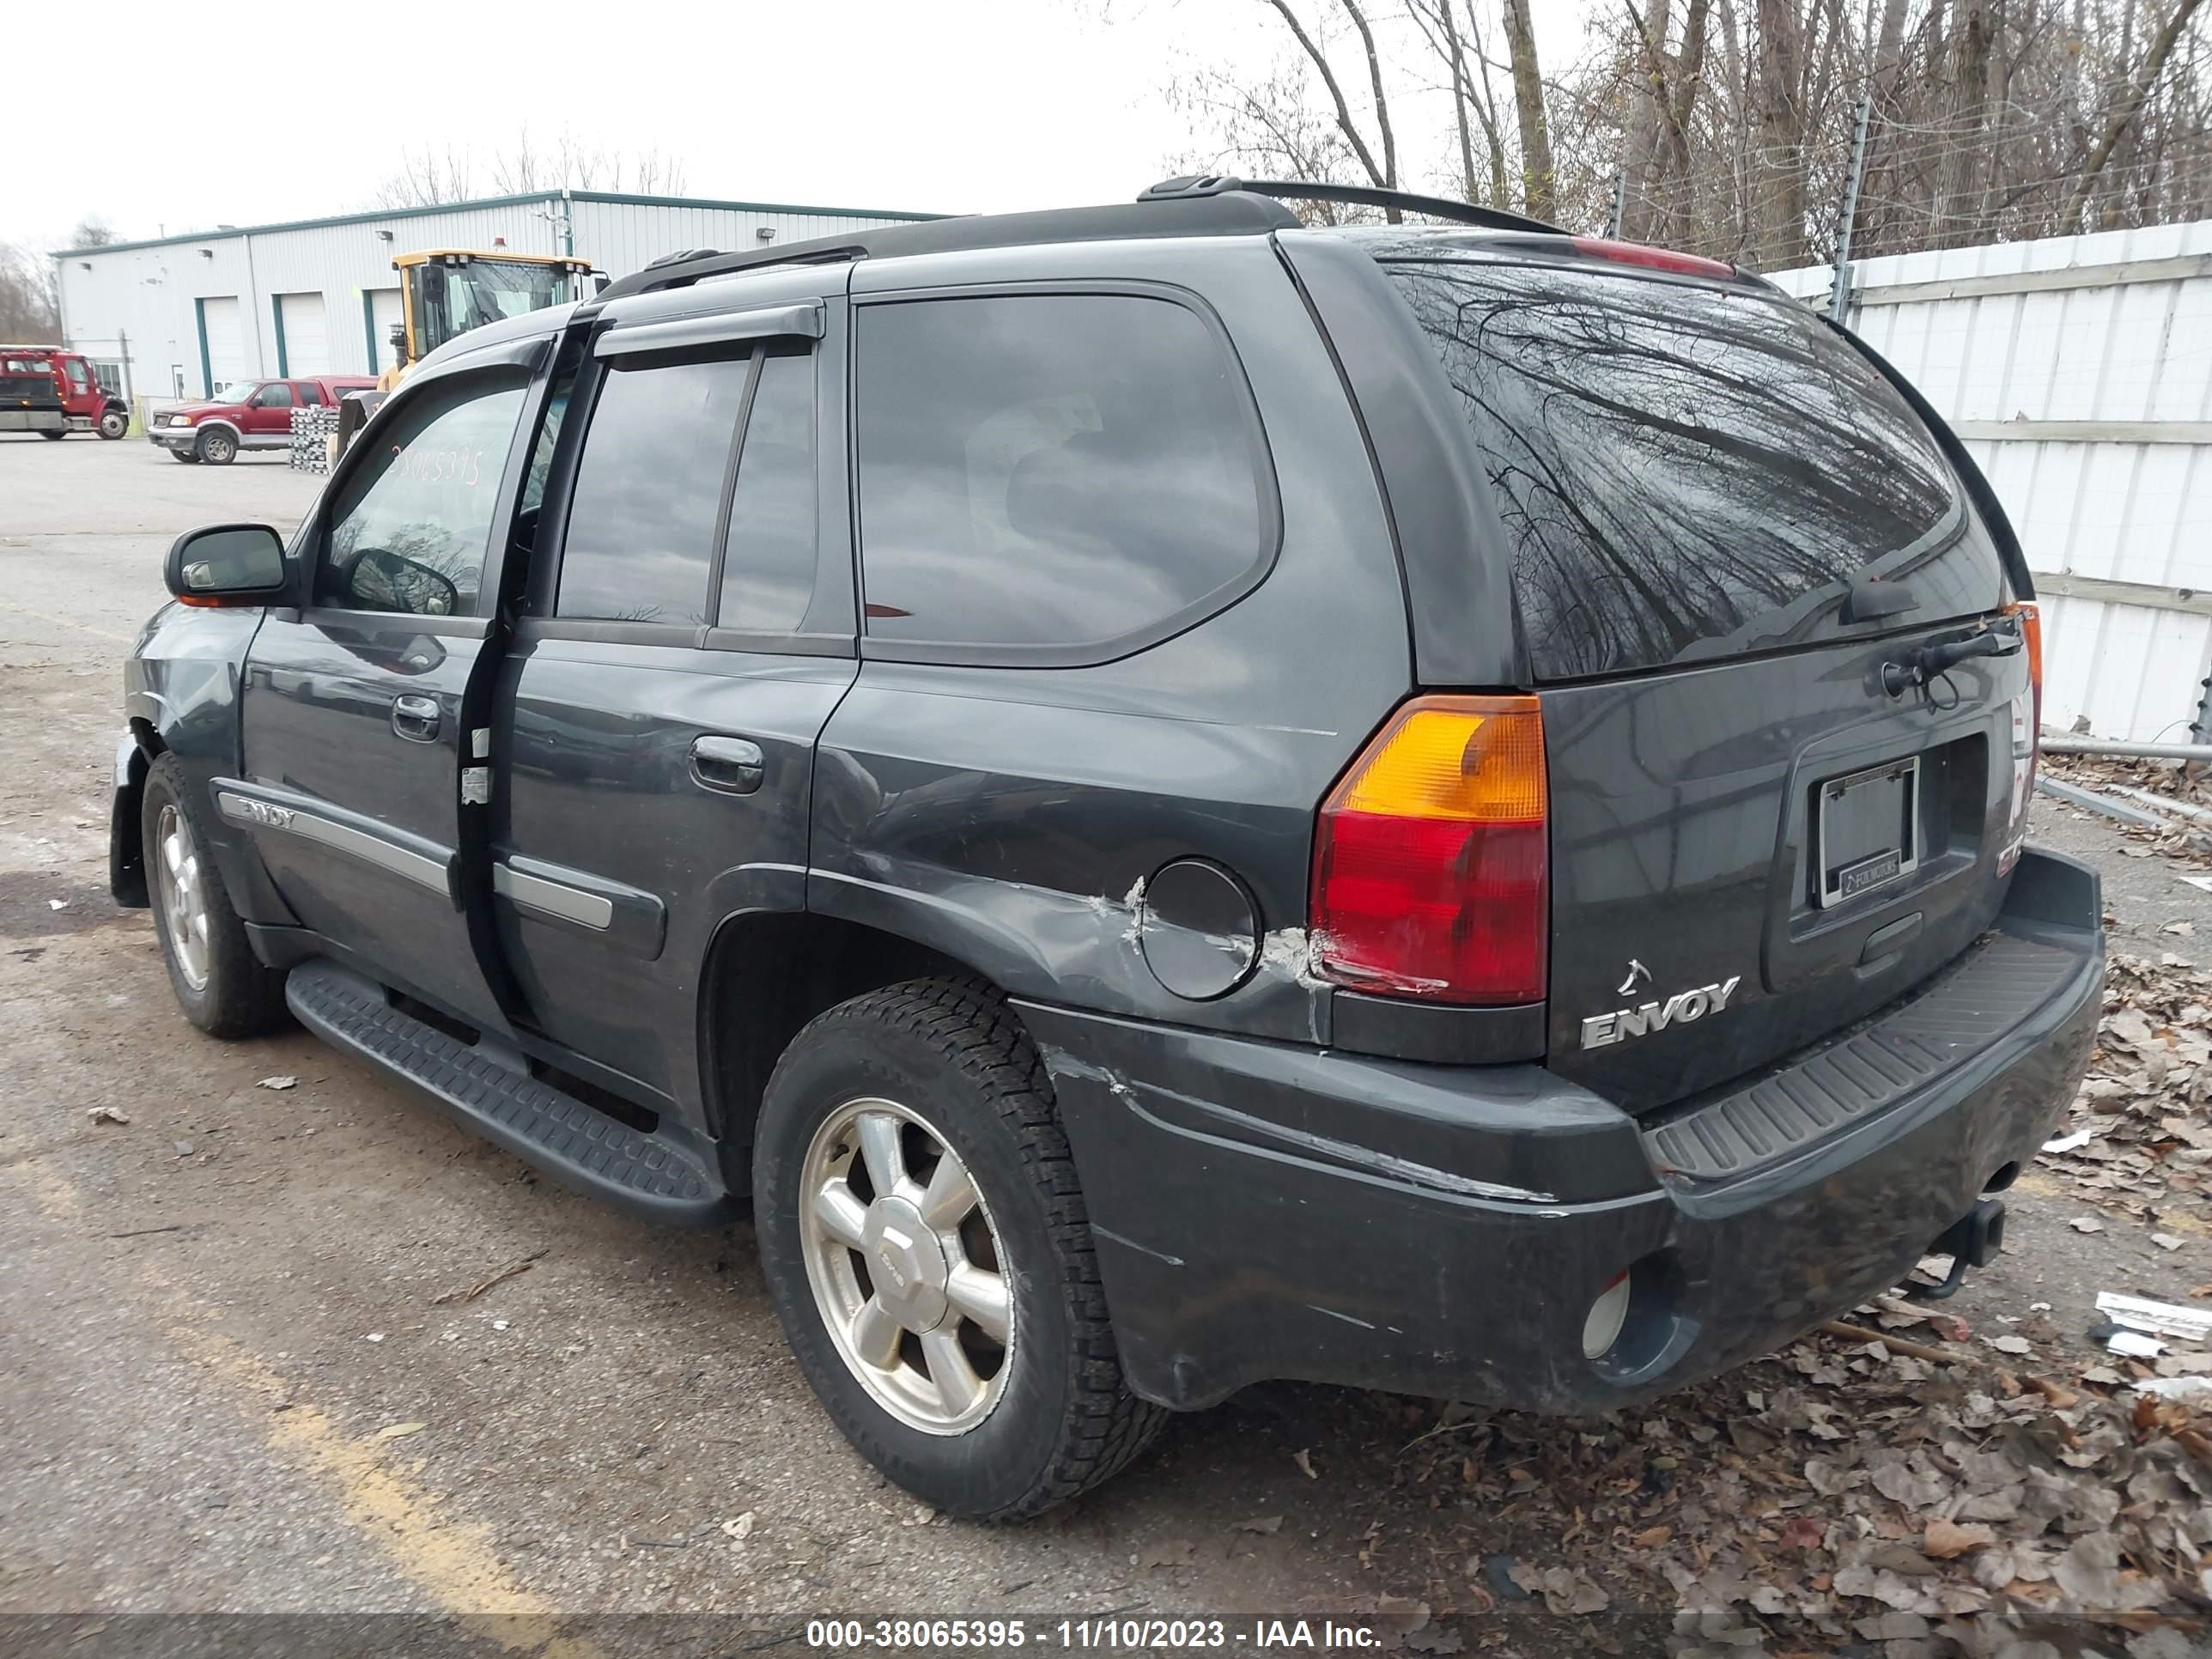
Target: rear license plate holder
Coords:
[[1867, 835]]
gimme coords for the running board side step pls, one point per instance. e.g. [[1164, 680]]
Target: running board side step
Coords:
[[647, 1176]]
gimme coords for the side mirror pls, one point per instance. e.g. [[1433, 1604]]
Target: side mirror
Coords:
[[600, 282], [227, 564]]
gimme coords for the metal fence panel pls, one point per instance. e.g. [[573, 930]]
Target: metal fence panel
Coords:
[[2023, 344]]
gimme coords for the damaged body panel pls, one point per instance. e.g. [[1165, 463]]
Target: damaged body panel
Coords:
[[1263, 1211]]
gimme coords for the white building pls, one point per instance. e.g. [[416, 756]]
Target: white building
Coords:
[[179, 315]]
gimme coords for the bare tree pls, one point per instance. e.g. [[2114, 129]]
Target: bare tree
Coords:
[[1383, 174], [1537, 170], [1267, 128], [93, 231], [435, 178], [1457, 44], [427, 178], [30, 306], [1730, 122], [2128, 108]]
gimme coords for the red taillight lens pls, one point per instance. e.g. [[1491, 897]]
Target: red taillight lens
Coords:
[[1432, 856], [1651, 259]]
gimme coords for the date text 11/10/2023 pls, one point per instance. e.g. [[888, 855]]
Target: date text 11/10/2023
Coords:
[[1104, 1633]]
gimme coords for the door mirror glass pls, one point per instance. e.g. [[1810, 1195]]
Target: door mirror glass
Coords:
[[227, 562], [379, 580]]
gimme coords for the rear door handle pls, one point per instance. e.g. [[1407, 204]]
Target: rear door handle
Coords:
[[416, 719], [733, 765]]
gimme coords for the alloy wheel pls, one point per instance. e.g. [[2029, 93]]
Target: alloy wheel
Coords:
[[182, 878], [906, 1267]]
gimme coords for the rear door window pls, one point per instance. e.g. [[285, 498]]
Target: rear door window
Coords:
[[645, 508], [1052, 471], [1687, 472], [768, 572]]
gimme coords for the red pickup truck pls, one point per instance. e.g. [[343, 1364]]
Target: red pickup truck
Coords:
[[246, 415], [78, 404]]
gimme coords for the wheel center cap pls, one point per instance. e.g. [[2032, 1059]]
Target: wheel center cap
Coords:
[[906, 1263]]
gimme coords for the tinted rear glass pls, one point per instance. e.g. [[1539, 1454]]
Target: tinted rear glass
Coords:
[[1052, 470], [1686, 472], [647, 500]]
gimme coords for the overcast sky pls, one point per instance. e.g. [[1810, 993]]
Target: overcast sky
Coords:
[[247, 113]]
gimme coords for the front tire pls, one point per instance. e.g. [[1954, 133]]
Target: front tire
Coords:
[[218, 448], [927, 1248], [185, 455], [220, 986], [113, 423]]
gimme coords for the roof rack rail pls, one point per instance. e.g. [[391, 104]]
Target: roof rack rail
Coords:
[[1436, 207], [1204, 214]]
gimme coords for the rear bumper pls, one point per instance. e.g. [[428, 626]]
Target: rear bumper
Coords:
[[1266, 1211]]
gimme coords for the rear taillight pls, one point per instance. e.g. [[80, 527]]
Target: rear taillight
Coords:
[[1431, 856], [2027, 721], [1651, 259], [2031, 631]]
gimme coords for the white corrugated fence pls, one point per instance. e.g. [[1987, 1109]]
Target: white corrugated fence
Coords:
[[2078, 369]]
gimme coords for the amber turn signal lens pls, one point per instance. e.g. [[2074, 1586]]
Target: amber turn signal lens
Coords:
[[1431, 857]]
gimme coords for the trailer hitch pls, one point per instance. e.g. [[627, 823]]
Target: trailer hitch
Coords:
[[1970, 1242]]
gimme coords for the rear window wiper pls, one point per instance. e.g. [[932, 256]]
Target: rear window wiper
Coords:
[[1868, 599], [1927, 663]]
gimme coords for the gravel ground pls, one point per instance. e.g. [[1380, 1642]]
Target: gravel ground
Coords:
[[236, 1381]]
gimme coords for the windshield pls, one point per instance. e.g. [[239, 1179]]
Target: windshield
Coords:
[[234, 391], [483, 291], [1687, 472], [24, 365]]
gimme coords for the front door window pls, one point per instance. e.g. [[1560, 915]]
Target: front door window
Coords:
[[409, 527]]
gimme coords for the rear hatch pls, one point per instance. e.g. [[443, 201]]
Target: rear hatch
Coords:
[[1725, 527]]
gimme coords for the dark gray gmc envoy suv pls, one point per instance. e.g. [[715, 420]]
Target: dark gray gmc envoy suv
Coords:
[[1172, 798]]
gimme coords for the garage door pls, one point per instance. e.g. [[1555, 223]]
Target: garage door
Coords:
[[384, 316], [303, 337], [222, 341]]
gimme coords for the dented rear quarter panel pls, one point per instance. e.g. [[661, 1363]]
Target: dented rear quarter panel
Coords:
[[1009, 815]]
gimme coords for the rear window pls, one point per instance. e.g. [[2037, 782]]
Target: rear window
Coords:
[[1685, 472]]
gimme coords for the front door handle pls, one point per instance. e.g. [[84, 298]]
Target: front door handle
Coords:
[[416, 719], [733, 765]]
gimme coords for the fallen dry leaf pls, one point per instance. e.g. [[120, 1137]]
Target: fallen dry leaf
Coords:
[[1946, 1539]]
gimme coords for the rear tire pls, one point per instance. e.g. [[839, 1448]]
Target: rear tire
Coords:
[[53, 435], [217, 448], [934, 1082], [220, 986]]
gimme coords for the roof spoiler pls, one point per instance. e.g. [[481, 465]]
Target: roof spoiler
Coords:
[[1436, 207]]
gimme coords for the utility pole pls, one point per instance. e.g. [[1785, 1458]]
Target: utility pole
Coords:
[[1839, 291], [123, 351], [1619, 205]]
